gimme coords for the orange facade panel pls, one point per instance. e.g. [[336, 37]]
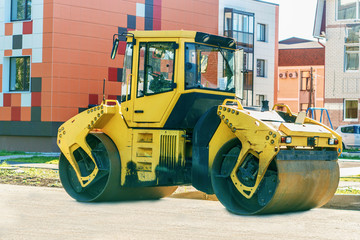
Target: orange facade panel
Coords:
[[46, 99], [8, 29], [7, 53], [5, 114], [26, 114], [61, 114], [27, 52], [75, 54], [16, 100], [46, 114]]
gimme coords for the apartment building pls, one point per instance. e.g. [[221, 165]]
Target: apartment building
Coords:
[[255, 27], [338, 22]]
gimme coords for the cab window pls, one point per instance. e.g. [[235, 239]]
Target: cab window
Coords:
[[126, 76], [156, 68], [209, 67]]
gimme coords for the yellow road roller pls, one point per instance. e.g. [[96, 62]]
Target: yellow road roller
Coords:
[[180, 121]]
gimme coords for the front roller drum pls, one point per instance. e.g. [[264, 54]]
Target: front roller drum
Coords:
[[106, 185], [295, 180]]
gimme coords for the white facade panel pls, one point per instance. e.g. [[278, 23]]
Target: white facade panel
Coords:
[[17, 28], [26, 99], [8, 42], [27, 41], [37, 55], [264, 13]]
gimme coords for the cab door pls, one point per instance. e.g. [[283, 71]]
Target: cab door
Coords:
[[155, 86]]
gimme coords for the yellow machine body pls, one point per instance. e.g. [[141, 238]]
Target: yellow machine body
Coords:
[[179, 123]]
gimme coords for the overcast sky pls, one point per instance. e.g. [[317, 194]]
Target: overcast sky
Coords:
[[296, 18]]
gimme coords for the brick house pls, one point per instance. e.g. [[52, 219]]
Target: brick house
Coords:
[[337, 22], [301, 74]]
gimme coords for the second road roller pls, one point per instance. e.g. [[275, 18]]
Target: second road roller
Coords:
[[180, 121]]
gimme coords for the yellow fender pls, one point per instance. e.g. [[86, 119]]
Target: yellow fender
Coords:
[[256, 137], [72, 135]]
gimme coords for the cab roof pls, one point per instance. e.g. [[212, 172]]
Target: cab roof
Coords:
[[199, 37]]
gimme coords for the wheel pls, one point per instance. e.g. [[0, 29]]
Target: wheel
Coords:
[[108, 177], [295, 180], [107, 184], [225, 189]]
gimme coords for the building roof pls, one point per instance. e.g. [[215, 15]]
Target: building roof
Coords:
[[298, 43], [300, 52], [294, 40]]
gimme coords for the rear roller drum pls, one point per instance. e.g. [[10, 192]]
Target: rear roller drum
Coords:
[[107, 184], [108, 177], [288, 185]]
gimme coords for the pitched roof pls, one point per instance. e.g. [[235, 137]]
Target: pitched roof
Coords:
[[294, 40], [300, 45]]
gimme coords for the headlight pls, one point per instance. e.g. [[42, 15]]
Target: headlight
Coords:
[[286, 140], [333, 141]]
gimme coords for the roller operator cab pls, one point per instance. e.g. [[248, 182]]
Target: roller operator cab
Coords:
[[180, 122]]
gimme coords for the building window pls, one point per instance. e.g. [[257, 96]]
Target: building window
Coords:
[[351, 58], [20, 10], [351, 110], [259, 99], [352, 48], [19, 74], [260, 68], [305, 81], [303, 107], [240, 26], [347, 9], [261, 32]]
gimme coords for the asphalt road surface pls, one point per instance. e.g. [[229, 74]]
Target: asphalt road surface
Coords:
[[49, 213]]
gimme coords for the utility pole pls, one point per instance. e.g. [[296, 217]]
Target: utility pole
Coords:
[[311, 98]]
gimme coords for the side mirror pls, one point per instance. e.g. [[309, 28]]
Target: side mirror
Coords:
[[239, 73], [114, 48]]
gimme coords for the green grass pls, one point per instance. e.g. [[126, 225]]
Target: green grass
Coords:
[[29, 176], [355, 178], [36, 159], [351, 150], [349, 157], [348, 190], [10, 153]]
